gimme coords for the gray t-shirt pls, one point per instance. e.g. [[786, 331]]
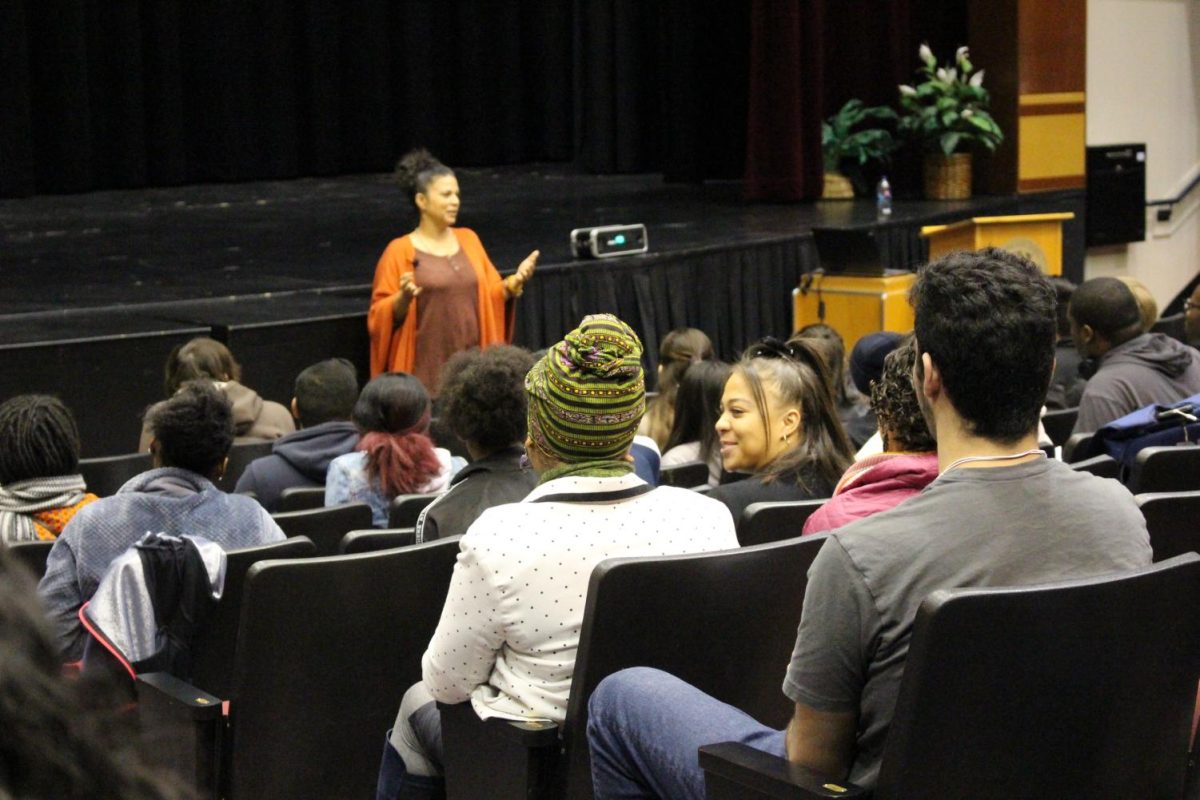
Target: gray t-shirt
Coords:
[[1033, 522]]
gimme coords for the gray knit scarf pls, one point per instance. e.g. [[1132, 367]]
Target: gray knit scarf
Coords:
[[19, 500]]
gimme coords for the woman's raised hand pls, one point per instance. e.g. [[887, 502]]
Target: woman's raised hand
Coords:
[[526, 267], [408, 286]]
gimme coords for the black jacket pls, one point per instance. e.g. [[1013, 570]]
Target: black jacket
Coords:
[[491, 481], [803, 484]]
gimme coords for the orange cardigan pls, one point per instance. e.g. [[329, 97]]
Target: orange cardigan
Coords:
[[394, 348]]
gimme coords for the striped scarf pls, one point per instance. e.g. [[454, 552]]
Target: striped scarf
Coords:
[[21, 499]]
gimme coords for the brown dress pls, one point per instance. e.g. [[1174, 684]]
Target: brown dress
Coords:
[[449, 318]]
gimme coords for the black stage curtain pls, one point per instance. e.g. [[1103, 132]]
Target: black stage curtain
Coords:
[[128, 93], [101, 94]]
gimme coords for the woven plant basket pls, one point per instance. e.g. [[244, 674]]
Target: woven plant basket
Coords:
[[947, 177], [837, 187]]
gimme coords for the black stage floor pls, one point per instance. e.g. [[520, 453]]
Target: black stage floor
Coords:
[[152, 246], [96, 289]]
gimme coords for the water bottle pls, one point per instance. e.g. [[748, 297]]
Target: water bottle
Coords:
[[883, 197]]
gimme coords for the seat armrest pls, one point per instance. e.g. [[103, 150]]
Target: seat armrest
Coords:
[[733, 770], [180, 700], [497, 758], [183, 730]]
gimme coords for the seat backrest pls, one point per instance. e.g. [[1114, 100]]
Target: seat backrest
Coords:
[[301, 498], [1078, 447], [1173, 520], [325, 650], [1173, 468], [212, 650], [1174, 326], [325, 526], [685, 476], [724, 622], [33, 555], [104, 476], [369, 541], [240, 456], [1104, 466], [406, 508], [1058, 424], [775, 521], [1077, 689]]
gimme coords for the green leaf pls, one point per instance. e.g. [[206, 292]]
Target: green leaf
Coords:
[[949, 142]]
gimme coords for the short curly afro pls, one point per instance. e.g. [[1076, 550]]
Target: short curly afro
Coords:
[[894, 400], [483, 396], [193, 428]]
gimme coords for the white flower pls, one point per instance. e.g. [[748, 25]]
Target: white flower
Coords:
[[960, 54], [907, 90], [977, 79], [926, 54], [967, 112], [952, 75], [942, 75]]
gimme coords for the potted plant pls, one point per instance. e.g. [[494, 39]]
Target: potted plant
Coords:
[[848, 145], [946, 115]]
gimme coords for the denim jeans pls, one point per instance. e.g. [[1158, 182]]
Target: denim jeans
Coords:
[[411, 768], [645, 726]]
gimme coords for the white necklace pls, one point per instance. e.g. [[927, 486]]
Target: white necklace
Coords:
[[1037, 451]]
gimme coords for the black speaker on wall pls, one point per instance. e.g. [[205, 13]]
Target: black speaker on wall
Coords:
[[1116, 194]]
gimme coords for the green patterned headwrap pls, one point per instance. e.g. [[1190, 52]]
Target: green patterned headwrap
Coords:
[[587, 396]]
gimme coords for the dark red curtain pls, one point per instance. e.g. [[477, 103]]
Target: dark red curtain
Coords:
[[808, 57], [783, 126]]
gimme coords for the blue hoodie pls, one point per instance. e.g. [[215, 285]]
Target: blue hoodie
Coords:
[[298, 459]]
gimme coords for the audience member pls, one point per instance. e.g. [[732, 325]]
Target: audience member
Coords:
[[323, 399], [40, 485], [1066, 384], [395, 454], [1134, 369], [190, 436], [510, 627], [694, 432], [680, 349], [1147, 305], [985, 350], [908, 462], [483, 403], [866, 367], [61, 740], [254, 419], [778, 422], [857, 419], [1191, 318]]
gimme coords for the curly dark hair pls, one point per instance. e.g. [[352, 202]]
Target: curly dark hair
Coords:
[[894, 401], [416, 169], [62, 738], [483, 395], [987, 321], [193, 427], [38, 439]]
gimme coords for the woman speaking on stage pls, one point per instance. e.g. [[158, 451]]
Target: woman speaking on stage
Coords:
[[436, 292]]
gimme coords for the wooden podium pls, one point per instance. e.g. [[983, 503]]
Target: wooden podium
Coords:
[[855, 305], [1038, 237]]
